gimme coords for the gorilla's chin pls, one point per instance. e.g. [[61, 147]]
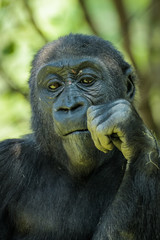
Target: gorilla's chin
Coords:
[[81, 152]]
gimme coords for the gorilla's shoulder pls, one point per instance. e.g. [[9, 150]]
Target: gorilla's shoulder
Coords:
[[14, 166], [15, 148], [17, 158]]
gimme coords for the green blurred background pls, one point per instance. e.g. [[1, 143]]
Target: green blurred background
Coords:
[[133, 26]]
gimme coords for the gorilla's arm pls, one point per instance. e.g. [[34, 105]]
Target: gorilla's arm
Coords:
[[138, 198]]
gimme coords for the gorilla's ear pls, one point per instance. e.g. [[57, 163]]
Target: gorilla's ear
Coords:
[[130, 83]]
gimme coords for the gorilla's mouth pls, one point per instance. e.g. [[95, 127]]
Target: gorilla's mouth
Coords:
[[77, 132]]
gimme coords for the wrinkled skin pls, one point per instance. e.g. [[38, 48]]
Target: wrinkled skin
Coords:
[[90, 170]]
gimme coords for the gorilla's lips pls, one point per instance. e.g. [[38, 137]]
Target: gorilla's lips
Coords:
[[79, 131]]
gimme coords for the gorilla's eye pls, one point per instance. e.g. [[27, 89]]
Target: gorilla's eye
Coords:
[[53, 86], [87, 80]]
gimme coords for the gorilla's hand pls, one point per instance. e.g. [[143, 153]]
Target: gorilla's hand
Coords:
[[119, 124]]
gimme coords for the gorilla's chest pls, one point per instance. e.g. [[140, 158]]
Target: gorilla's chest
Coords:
[[57, 210]]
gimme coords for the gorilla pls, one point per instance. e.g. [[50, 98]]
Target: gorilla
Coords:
[[91, 168]]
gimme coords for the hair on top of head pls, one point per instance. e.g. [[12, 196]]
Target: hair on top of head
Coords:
[[75, 45]]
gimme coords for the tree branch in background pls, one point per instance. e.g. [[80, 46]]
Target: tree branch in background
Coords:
[[154, 36], [144, 107], [153, 73], [12, 86], [122, 14], [87, 17], [30, 13]]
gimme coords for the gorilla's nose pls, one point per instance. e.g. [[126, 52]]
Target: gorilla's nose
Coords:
[[71, 110], [71, 115]]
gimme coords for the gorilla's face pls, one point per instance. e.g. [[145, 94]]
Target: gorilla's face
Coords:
[[66, 89]]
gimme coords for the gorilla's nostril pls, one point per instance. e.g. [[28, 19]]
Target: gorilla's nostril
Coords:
[[78, 105], [70, 107]]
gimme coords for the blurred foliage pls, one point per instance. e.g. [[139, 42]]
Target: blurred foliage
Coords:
[[26, 25]]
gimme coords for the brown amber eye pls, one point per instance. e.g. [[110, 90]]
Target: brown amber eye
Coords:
[[53, 86], [86, 81]]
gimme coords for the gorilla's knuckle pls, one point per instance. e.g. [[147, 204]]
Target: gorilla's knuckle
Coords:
[[90, 109], [94, 124], [91, 115], [100, 129]]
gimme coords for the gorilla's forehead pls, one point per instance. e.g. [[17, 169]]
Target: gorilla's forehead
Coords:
[[74, 63]]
